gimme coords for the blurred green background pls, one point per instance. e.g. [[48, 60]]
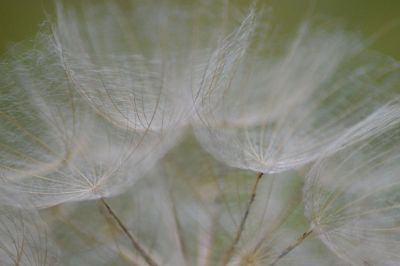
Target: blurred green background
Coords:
[[21, 19]]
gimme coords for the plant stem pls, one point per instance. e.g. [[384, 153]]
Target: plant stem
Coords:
[[134, 242], [291, 247], [242, 224]]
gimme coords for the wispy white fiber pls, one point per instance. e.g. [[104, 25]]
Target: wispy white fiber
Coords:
[[141, 67], [274, 114], [54, 149], [24, 238], [352, 200], [99, 104]]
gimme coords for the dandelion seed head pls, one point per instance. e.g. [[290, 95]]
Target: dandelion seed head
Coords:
[[95, 105], [146, 77], [271, 115], [352, 200], [24, 237], [54, 149]]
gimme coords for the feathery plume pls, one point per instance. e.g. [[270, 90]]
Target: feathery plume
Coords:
[[352, 200], [24, 237], [99, 102], [54, 149], [271, 115], [137, 73]]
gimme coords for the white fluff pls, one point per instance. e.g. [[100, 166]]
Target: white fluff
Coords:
[[25, 238], [274, 114], [54, 149], [137, 72], [352, 200]]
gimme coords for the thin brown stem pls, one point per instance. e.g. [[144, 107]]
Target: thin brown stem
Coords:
[[229, 253], [134, 242], [291, 247]]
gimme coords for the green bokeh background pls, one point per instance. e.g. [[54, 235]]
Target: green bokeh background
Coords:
[[21, 19]]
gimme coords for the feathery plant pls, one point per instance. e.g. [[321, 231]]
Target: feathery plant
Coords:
[[153, 133]]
